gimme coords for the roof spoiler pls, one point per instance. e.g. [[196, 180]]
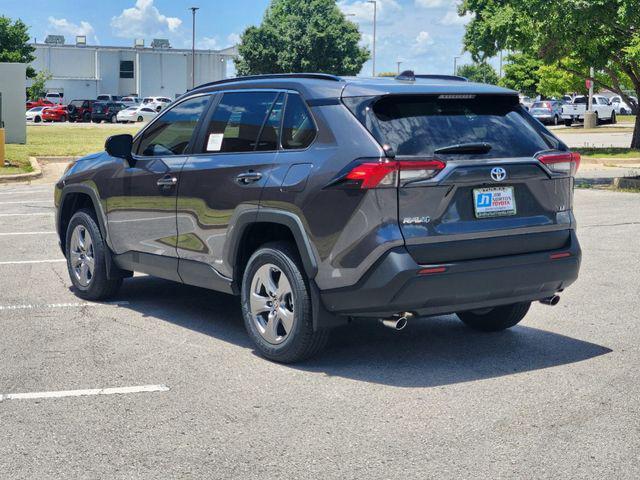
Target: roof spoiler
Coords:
[[410, 76]]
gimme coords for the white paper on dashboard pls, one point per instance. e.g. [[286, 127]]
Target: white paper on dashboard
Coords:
[[214, 144]]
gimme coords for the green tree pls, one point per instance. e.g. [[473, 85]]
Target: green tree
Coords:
[[572, 34], [38, 88], [521, 73], [302, 36], [14, 43], [479, 72]]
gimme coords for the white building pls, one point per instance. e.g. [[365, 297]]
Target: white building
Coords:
[[12, 98], [82, 71]]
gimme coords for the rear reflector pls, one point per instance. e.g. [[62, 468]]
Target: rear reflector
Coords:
[[558, 256], [388, 173], [564, 162], [431, 271]]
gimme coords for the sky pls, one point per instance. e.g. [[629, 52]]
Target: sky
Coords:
[[425, 35]]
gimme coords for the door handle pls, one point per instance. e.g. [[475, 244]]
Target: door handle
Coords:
[[248, 177], [167, 182]]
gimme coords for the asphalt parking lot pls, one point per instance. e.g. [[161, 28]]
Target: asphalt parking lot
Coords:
[[554, 398]]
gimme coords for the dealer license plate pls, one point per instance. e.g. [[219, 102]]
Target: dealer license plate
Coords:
[[494, 202]]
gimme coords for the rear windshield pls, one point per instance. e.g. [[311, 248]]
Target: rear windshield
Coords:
[[417, 125]]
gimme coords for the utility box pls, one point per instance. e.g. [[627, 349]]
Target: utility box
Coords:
[[13, 100]]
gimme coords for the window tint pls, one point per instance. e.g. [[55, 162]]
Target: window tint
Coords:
[[298, 130], [172, 132], [237, 121], [419, 125], [270, 136]]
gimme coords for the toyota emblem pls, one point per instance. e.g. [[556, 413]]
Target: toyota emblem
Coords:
[[498, 174]]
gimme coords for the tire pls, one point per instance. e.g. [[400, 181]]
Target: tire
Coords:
[[140, 119], [568, 123], [86, 117], [274, 339], [96, 286], [37, 120], [613, 120], [113, 119], [597, 119], [96, 121], [63, 118], [496, 319]]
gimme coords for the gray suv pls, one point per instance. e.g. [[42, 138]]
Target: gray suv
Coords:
[[318, 199]]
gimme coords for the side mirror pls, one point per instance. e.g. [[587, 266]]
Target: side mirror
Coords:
[[119, 146]]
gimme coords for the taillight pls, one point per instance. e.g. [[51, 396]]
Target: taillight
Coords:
[[389, 173], [565, 162]]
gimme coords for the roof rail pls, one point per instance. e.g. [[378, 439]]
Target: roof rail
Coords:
[[410, 76], [275, 76]]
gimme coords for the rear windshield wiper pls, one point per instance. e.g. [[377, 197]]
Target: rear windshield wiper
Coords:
[[466, 148]]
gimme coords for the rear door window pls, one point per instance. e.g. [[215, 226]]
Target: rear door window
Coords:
[[270, 136], [171, 133], [298, 130], [418, 125], [237, 121]]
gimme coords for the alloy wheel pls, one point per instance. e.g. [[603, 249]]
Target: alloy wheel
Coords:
[[272, 304], [82, 256]]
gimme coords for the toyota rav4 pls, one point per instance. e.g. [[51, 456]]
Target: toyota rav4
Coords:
[[318, 199]]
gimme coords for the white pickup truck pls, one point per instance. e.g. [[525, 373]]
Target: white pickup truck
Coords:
[[574, 112]]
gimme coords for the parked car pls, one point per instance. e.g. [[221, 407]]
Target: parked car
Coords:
[[57, 113], [548, 111], [526, 102], [574, 112], [41, 102], [621, 107], [318, 198], [56, 98], [80, 110], [136, 114], [108, 98], [34, 114], [157, 103], [130, 101], [106, 111]]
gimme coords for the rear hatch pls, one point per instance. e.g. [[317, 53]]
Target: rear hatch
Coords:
[[495, 182]]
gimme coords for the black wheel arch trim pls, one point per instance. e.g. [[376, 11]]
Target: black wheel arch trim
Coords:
[[321, 317], [112, 269], [268, 215]]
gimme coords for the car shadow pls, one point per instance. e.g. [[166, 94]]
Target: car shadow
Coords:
[[429, 352]]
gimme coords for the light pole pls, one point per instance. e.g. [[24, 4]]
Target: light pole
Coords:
[[455, 65], [375, 21], [193, 47], [399, 63]]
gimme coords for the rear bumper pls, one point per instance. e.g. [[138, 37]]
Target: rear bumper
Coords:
[[395, 284]]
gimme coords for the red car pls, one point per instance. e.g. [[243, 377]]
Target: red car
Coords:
[[57, 113], [41, 102]]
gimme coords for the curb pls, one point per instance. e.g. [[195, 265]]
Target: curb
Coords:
[[594, 181], [24, 177], [627, 183]]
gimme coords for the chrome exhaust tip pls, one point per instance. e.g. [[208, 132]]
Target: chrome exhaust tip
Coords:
[[398, 322], [551, 301]]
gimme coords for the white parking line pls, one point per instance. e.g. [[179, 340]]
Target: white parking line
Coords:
[[26, 202], [25, 192], [45, 306], [45, 214], [27, 262], [84, 393], [25, 233]]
